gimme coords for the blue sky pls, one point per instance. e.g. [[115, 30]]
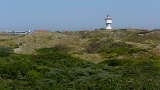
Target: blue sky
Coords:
[[78, 14]]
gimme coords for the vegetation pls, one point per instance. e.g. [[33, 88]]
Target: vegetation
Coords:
[[52, 69], [58, 61]]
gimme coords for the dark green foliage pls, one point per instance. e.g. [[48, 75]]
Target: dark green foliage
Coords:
[[4, 51], [111, 47], [62, 48], [51, 69], [106, 44], [116, 62]]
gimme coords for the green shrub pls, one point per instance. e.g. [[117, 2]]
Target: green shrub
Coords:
[[116, 62], [4, 51], [33, 75], [109, 46], [62, 48]]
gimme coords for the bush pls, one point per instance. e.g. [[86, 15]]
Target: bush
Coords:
[[4, 51], [116, 62], [108, 46], [62, 48], [33, 75]]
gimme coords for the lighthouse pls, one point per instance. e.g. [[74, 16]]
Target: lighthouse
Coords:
[[108, 23]]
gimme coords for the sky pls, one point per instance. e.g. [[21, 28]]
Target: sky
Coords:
[[57, 15]]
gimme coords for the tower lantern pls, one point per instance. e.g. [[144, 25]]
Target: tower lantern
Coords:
[[108, 23]]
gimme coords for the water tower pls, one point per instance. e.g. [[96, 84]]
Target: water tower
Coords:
[[108, 23]]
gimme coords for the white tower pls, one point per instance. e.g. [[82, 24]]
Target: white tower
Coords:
[[108, 23]]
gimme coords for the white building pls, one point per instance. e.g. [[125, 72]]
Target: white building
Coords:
[[108, 23]]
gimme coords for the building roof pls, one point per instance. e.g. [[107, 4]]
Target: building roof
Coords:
[[3, 33]]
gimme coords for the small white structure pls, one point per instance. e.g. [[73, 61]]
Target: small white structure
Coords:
[[108, 23]]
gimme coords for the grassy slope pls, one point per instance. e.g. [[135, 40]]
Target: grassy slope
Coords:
[[79, 41]]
